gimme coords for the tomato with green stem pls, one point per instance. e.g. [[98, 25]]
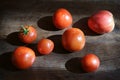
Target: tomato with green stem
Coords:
[[27, 34]]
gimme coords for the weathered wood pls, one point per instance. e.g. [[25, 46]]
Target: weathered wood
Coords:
[[60, 64]]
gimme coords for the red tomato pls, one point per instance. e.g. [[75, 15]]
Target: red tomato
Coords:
[[90, 62], [101, 22], [73, 39], [45, 46], [62, 18], [23, 57], [28, 34]]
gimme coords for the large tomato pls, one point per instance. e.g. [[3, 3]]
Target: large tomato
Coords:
[[23, 57], [73, 39], [27, 34], [101, 22], [90, 62], [45, 46], [62, 18]]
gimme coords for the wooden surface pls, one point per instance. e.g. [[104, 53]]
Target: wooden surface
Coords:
[[59, 65]]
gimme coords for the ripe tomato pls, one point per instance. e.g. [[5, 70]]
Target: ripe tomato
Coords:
[[23, 57], [28, 34], [90, 62], [73, 39], [101, 22], [62, 18], [45, 46]]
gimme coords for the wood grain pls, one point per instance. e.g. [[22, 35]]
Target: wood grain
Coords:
[[58, 65]]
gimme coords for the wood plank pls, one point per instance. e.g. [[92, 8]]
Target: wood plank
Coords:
[[39, 13]]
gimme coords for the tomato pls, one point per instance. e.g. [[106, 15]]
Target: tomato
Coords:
[[45, 46], [62, 18], [23, 57], [90, 62], [73, 39], [101, 22], [27, 34]]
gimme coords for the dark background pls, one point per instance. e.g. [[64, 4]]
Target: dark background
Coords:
[[60, 64]]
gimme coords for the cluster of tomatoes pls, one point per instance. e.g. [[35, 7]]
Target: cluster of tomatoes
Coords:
[[73, 39]]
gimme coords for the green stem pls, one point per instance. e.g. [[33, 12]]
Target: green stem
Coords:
[[24, 30]]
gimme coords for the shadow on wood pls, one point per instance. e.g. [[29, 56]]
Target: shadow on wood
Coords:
[[46, 23], [82, 24], [58, 48], [6, 62], [13, 39], [74, 65], [34, 48]]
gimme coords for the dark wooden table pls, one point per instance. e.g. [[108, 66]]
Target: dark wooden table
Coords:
[[59, 65]]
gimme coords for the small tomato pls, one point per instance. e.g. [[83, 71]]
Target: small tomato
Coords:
[[27, 34], [45, 46], [23, 57], [62, 18], [90, 62]]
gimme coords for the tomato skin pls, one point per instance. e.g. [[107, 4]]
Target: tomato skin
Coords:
[[90, 62], [62, 18], [73, 39], [23, 57], [45, 46], [101, 22], [30, 36]]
